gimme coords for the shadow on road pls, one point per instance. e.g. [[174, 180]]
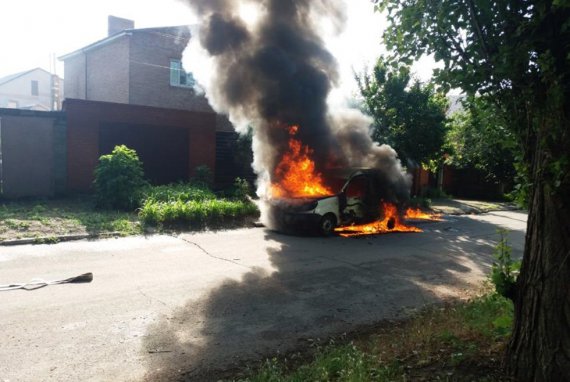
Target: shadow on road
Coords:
[[320, 287]]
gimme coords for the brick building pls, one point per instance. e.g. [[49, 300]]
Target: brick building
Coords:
[[131, 88], [134, 66]]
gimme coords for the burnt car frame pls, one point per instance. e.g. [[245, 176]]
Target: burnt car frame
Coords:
[[358, 201]]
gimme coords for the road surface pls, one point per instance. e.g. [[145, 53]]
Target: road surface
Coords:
[[165, 308]]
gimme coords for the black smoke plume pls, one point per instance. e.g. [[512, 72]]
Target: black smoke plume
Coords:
[[277, 73]]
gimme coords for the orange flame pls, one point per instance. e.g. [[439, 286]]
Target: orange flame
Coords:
[[297, 174], [390, 223], [416, 213]]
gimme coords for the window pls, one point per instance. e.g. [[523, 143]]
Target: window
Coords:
[[357, 187], [35, 90], [178, 76]]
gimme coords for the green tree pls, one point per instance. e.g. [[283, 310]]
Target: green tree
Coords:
[[410, 118], [479, 137], [515, 52]]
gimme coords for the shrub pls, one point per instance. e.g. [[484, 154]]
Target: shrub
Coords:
[[119, 179], [241, 189], [435, 193], [505, 270], [203, 176]]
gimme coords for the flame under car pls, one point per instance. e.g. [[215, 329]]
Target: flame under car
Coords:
[[358, 201]]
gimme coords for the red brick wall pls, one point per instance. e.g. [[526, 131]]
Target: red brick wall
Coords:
[[84, 119]]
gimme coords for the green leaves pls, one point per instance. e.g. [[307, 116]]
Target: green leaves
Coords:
[[409, 117], [119, 179], [505, 271], [479, 137]]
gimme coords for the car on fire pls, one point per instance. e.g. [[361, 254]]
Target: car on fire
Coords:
[[357, 201]]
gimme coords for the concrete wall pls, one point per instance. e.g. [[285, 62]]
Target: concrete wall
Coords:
[[85, 120], [33, 153]]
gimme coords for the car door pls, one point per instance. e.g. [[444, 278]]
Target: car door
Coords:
[[355, 192]]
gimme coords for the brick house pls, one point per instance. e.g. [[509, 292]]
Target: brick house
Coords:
[[131, 88], [134, 66]]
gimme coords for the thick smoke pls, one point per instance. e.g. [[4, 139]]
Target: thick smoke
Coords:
[[276, 73]]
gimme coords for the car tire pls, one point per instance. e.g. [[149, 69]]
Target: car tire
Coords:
[[327, 225]]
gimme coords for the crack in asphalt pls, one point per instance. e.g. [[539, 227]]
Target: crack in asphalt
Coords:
[[204, 251], [152, 298]]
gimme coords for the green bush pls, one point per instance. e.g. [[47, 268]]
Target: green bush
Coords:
[[119, 179], [241, 189], [505, 270], [434, 193], [420, 202], [203, 176]]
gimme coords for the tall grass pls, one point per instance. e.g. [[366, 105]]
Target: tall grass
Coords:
[[178, 192], [193, 206]]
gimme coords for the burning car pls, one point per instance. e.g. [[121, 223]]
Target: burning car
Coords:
[[361, 197]]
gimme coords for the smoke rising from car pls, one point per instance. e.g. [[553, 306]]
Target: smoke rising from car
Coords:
[[275, 72]]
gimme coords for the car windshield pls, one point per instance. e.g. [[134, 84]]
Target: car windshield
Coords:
[[336, 184]]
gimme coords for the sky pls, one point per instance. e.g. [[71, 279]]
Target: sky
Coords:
[[32, 32]]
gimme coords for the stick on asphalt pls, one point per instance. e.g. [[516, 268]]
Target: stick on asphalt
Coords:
[[39, 283]]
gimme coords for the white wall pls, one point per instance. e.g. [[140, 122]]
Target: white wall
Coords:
[[19, 91]]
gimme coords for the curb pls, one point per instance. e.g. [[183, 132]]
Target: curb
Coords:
[[58, 239]]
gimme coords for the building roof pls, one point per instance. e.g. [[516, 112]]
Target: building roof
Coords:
[[172, 30], [11, 77]]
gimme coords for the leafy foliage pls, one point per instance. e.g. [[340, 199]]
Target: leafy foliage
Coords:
[[410, 118], [241, 189], [203, 177], [479, 137], [504, 271], [515, 53], [119, 179]]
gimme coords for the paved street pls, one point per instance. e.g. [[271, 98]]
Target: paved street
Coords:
[[163, 308]]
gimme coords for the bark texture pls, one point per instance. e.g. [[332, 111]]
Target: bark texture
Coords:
[[540, 345]]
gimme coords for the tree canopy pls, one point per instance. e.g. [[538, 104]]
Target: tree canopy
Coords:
[[516, 52], [479, 137], [408, 117]]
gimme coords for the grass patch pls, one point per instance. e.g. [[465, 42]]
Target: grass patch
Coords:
[[193, 206], [197, 214], [51, 218], [177, 206], [458, 342]]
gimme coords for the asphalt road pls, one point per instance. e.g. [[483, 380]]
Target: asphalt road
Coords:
[[164, 308]]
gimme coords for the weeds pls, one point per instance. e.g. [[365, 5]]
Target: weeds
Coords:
[[505, 271]]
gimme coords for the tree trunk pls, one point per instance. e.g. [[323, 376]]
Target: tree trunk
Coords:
[[539, 349]]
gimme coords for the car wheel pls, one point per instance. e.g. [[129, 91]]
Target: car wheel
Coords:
[[327, 225]]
